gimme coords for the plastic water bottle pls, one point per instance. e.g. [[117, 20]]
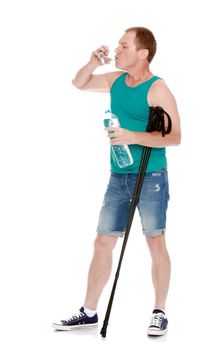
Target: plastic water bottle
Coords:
[[121, 153]]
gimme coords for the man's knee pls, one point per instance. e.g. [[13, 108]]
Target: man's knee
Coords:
[[157, 247], [104, 243]]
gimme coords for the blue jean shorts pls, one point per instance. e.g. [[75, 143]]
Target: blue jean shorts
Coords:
[[152, 204]]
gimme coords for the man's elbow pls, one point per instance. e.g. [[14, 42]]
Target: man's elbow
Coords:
[[75, 84], [177, 139]]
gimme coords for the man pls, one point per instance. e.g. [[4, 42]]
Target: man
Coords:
[[133, 89]]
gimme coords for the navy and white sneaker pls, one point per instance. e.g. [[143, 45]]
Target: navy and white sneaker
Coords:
[[78, 320], [159, 322]]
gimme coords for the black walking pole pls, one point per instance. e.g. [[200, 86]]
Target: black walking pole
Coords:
[[156, 123]]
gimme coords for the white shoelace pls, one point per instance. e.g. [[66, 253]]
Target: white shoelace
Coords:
[[157, 320], [76, 316]]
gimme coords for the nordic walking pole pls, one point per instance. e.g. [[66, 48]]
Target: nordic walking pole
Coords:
[[156, 123], [139, 181]]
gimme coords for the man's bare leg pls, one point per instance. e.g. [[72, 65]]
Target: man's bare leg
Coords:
[[100, 269], [161, 269]]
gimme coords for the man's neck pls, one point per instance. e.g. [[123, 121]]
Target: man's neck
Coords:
[[137, 77], [139, 73]]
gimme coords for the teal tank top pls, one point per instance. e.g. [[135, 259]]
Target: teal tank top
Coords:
[[131, 106]]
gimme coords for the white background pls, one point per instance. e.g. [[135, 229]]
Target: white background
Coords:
[[54, 166]]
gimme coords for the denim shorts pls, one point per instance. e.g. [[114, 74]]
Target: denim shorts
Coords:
[[152, 205]]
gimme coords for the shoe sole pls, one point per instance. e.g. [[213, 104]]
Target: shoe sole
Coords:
[[156, 332], [58, 327]]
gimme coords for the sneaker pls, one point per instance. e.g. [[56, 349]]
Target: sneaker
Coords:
[[78, 320], [159, 322]]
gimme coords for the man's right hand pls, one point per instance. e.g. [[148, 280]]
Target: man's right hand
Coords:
[[95, 57]]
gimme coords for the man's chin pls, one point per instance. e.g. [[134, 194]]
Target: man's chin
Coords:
[[117, 65]]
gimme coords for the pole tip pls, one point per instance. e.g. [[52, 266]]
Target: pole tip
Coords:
[[103, 332], [104, 329]]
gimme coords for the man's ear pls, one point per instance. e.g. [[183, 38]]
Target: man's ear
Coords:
[[143, 54]]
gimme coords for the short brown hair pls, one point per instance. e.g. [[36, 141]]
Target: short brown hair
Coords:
[[144, 40]]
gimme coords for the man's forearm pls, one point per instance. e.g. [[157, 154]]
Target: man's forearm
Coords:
[[150, 139], [155, 139], [84, 75]]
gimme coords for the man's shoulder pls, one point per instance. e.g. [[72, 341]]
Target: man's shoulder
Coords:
[[159, 83], [112, 76], [159, 87], [159, 91]]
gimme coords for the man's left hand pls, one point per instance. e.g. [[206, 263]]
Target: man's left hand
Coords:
[[120, 136]]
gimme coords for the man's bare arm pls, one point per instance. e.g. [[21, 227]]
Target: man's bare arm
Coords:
[[86, 80]]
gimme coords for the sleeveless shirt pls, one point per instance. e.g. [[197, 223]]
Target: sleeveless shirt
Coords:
[[130, 105]]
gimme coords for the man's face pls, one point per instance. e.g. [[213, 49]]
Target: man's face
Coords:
[[126, 52]]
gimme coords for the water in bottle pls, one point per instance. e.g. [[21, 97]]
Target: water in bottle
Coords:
[[121, 153]]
